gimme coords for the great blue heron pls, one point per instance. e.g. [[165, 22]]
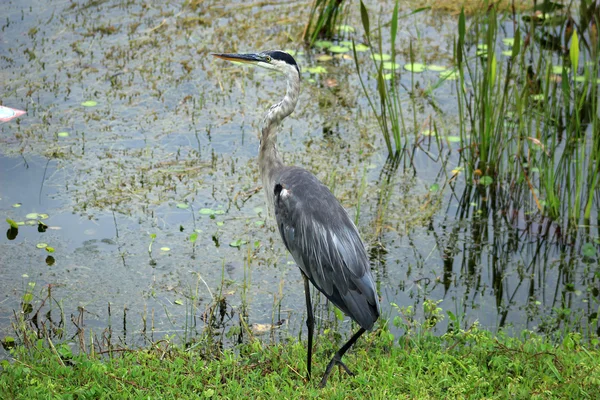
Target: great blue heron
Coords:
[[314, 226]]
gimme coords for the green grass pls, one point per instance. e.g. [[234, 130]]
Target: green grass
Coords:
[[465, 364]]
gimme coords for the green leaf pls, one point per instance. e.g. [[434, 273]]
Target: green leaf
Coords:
[[317, 70], [493, 66], [165, 249], [434, 188], [50, 249], [364, 17], [12, 223], [394, 24], [390, 65], [206, 211], [436, 68], [324, 58], [345, 28], [193, 237], [339, 49], [574, 51], [62, 134], [517, 43], [361, 47], [89, 103], [338, 314], [41, 245], [27, 297], [486, 180], [381, 57], [323, 44], [32, 216], [509, 41], [183, 206], [178, 302], [414, 67], [237, 243], [588, 250]]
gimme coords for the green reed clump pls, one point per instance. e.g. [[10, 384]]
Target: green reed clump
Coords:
[[387, 106], [521, 123], [325, 17]]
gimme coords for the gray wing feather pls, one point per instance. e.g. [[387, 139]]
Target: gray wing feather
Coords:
[[325, 243]]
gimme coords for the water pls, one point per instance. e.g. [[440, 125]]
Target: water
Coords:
[[173, 127]]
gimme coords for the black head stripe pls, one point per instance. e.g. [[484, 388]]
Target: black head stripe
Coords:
[[278, 189], [283, 56]]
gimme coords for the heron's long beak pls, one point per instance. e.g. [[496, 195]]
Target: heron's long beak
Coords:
[[251, 58]]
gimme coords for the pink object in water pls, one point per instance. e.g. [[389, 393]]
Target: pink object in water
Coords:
[[7, 113]]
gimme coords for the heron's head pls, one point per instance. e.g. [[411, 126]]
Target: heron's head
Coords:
[[274, 59]]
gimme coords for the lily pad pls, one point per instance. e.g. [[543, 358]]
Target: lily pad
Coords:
[[237, 243], [558, 69], [43, 216], [323, 44], [17, 205], [324, 58], [507, 53], [588, 250], [165, 249], [390, 65], [415, 67], [453, 139], [317, 70], [62, 134], [381, 57], [345, 28], [508, 41], [436, 68], [449, 75], [482, 46], [89, 103], [32, 216], [206, 211], [361, 47], [338, 49], [41, 245], [183, 206]]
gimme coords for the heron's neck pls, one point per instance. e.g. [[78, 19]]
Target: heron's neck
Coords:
[[269, 159]]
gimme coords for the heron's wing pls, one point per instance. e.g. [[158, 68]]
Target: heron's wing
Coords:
[[325, 243]]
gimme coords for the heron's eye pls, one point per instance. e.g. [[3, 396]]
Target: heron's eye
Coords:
[[268, 58]]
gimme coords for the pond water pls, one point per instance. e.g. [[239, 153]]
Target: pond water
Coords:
[[152, 196]]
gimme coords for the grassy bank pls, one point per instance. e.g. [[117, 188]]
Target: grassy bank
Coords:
[[466, 364]]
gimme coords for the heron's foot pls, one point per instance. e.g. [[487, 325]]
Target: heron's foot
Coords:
[[336, 360]]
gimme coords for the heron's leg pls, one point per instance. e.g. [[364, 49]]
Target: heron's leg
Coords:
[[310, 324], [337, 358]]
